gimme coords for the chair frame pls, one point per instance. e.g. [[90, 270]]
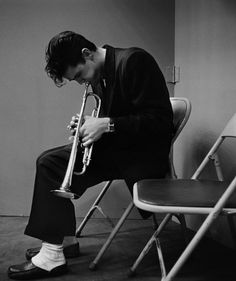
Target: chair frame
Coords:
[[213, 212], [116, 228]]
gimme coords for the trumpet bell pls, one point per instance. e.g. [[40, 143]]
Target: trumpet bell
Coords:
[[65, 194]]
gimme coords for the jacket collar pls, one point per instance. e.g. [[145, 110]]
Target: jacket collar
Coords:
[[109, 65]]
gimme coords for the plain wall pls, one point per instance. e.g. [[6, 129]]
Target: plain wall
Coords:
[[34, 113], [205, 50]]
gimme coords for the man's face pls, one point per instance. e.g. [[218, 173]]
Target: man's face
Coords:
[[84, 72]]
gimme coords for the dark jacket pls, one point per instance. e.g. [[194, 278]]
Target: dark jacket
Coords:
[[137, 99]]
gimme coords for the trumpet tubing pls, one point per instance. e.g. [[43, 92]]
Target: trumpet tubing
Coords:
[[64, 191]]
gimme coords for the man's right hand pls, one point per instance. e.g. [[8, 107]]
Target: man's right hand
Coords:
[[73, 125]]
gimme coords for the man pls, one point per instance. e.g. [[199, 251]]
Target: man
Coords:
[[131, 138]]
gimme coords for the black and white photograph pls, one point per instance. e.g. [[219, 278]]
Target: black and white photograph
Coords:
[[118, 140]]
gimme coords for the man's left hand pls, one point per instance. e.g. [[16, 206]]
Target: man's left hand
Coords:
[[92, 129]]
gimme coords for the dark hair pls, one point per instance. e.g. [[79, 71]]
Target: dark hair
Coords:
[[63, 50]]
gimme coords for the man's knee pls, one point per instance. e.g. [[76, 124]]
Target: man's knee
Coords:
[[43, 159]]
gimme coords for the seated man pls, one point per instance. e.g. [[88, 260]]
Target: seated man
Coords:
[[131, 137]]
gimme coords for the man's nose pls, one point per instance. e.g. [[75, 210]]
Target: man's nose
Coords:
[[80, 81]]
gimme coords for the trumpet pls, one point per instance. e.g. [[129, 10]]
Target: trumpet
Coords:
[[64, 190]]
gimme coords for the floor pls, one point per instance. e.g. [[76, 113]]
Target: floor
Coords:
[[210, 261]]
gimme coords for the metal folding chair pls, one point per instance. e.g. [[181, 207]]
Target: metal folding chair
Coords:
[[188, 196], [181, 109]]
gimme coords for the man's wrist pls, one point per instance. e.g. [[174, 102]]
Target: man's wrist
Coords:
[[110, 126]]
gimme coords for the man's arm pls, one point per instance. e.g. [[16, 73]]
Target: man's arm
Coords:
[[145, 86]]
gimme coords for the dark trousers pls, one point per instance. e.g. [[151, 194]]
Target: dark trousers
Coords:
[[53, 217]]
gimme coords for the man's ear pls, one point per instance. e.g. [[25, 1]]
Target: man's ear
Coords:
[[86, 54]]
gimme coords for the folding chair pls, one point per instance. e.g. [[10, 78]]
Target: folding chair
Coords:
[[181, 109], [188, 196]]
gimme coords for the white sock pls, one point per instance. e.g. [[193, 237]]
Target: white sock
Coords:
[[49, 256]]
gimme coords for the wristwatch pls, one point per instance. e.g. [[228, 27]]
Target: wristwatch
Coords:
[[111, 126]]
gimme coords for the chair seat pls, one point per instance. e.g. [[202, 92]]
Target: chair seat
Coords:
[[188, 193]]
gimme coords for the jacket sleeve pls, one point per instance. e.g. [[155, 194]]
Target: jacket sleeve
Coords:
[[147, 96]]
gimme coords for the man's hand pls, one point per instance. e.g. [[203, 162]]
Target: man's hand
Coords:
[[92, 129], [72, 126]]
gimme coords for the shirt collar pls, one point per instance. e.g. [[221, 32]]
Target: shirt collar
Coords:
[[109, 64]]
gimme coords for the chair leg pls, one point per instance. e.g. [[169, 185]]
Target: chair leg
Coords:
[[161, 259], [182, 221], [154, 222], [196, 239], [148, 247], [121, 221], [93, 208], [186, 253]]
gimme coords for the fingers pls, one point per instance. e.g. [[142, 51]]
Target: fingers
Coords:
[[73, 124], [84, 142], [71, 128], [87, 130], [71, 138], [86, 117], [87, 142]]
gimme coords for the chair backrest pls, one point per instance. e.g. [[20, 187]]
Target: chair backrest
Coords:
[[229, 131], [230, 128], [181, 112]]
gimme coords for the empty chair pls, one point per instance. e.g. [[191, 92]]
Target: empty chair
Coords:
[[188, 196]]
